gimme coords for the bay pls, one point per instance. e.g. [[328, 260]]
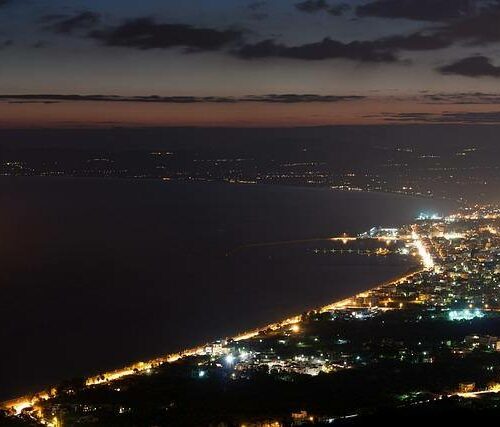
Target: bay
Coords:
[[95, 274]]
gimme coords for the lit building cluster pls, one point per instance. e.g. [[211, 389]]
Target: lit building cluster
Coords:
[[443, 313]]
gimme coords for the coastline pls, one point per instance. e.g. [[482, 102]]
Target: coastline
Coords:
[[20, 403], [312, 186], [111, 374]]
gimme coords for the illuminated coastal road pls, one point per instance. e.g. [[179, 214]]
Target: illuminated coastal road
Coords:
[[140, 367], [423, 252]]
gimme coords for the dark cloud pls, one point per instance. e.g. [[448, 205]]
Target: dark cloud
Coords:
[[488, 117], [67, 25], [423, 10], [6, 43], [34, 102], [338, 9], [380, 50], [461, 20], [473, 66], [296, 98], [112, 98], [474, 22], [463, 98], [404, 117], [325, 49], [480, 29], [270, 98], [313, 6], [144, 33], [415, 41]]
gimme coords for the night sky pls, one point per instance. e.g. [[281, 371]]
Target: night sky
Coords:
[[67, 63]]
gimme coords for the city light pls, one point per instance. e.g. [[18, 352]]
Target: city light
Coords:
[[447, 278], [453, 236], [424, 254], [465, 314], [425, 216]]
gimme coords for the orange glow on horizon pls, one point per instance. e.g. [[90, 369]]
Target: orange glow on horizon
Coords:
[[69, 114]]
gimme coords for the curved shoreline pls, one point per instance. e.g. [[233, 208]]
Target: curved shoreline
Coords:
[[20, 403]]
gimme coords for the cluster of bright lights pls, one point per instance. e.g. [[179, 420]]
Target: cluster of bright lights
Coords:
[[465, 314], [423, 252], [423, 216], [453, 236]]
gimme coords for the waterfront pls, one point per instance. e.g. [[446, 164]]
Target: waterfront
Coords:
[[302, 345], [147, 265]]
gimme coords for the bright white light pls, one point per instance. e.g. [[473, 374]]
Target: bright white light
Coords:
[[423, 216], [465, 314], [453, 236], [201, 374], [229, 359], [424, 254]]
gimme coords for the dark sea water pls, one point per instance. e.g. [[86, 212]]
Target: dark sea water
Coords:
[[95, 274]]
